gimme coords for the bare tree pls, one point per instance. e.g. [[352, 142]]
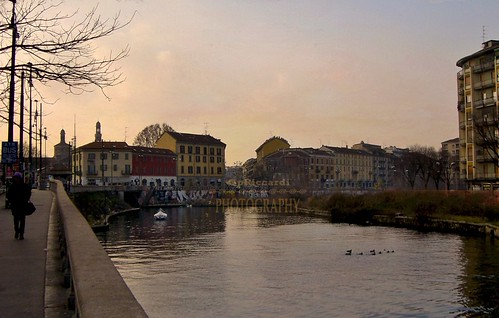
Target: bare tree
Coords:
[[486, 131], [149, 135], [408, 167], [426, 160], [56, 47], [449, 168]]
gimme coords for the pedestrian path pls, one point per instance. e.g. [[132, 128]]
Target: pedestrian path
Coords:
[[24, 275]]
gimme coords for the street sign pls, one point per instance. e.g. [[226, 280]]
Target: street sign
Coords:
[[9, 152]]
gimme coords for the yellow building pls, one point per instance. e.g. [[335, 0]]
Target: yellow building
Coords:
[[200, 158], [477, 86], [102, 163], [352, 168], [270, 146]]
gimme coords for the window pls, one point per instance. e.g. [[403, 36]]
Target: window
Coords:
[[182, 149], [198, 170], [189, 149], [91, 156], [126, 156], [198, 150], [115, 156], [190, 169]]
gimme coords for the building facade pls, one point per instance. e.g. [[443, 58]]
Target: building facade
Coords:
[[353, 168], [477, 85], [383, 165], [116, 163], [270, 146], [451, 148], [200, 159]]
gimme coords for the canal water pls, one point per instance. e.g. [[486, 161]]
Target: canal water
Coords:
[[204, 262]]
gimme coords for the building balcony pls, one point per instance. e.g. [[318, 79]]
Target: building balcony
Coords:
[[483, 67], [484, 84], [478, 103], [489, 101]]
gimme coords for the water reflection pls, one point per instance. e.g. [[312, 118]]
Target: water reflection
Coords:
[[480, 280], [236, 263]]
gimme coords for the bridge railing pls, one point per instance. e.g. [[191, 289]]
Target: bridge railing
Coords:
[[98, 288]]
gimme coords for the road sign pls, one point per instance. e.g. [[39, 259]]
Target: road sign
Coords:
[[9, 152]]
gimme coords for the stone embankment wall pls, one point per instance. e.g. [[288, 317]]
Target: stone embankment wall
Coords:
[[421, 224], [438, 225]]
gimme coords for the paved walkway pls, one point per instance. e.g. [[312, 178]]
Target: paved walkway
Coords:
[[30, 282]]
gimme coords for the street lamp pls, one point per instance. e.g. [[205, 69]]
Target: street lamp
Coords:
[[140, 168], [112, 167]]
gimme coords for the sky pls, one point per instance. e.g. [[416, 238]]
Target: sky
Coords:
[[332, 72]]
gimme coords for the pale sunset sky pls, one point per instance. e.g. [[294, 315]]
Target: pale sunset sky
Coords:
[[331, 72]]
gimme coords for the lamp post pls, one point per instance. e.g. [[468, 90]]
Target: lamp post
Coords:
[[36, 129], [45, 151], [30, 145], [40, 136], [21, 126], [112, 167], [140, 168]]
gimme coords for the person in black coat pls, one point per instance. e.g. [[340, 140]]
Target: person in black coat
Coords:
[[18, 195]]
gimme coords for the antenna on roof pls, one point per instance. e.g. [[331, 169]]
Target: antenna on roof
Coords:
[[483, 33], [205, 128], [125, 132]]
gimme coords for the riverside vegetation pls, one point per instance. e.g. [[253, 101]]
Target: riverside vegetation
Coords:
[[464, 206], [96, 206], [472, 207]]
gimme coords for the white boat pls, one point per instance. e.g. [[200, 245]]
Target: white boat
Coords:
[[160, 215]]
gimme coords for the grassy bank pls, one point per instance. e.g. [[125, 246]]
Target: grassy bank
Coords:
[[477, 207]]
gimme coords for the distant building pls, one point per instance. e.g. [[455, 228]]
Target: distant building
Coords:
[[477, 85], [383, 164], [353, 168], [200, 158], [103, 163], [60, 165], [451, 148], [115, 162], [270, 146]]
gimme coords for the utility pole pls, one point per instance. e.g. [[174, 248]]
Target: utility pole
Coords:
[[12, 72]]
